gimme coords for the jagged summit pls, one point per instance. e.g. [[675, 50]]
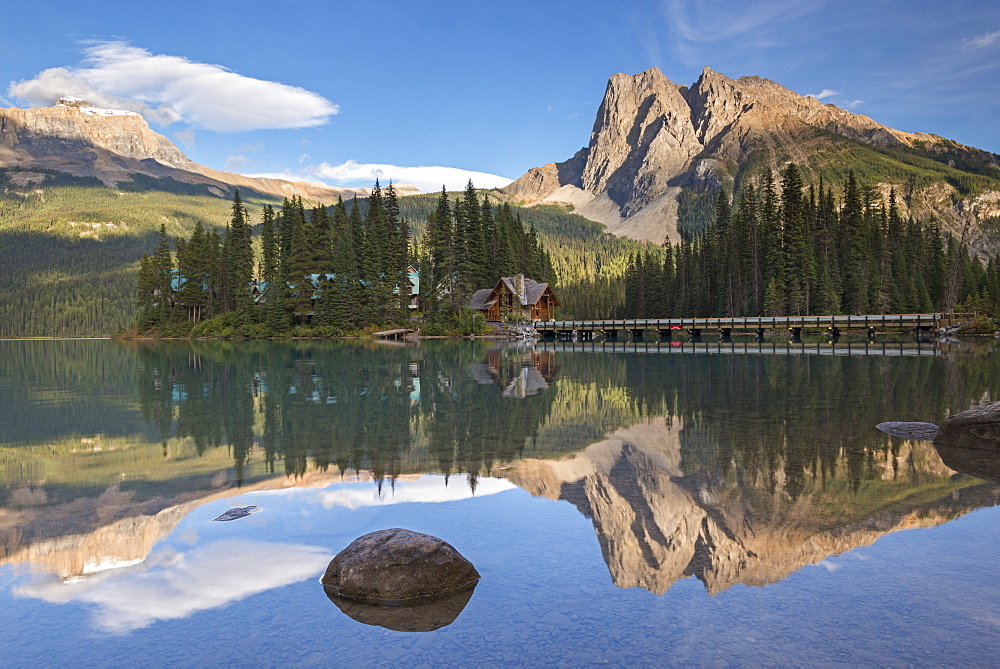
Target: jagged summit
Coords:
[[653, 140]]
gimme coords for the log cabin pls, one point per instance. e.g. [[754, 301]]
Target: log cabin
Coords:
[[516, 297]]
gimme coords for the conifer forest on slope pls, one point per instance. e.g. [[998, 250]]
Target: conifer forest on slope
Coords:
[[71, 255]]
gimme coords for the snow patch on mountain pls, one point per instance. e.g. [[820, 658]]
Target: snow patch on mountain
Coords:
[[89, 109]]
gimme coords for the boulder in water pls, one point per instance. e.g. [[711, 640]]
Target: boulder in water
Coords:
[[398, 567], [978, 428]]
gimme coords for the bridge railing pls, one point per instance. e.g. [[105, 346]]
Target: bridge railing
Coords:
[[756, 322]]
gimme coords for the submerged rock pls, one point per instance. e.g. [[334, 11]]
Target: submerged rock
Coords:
[[920, 431], [238, 512], [398, 567]]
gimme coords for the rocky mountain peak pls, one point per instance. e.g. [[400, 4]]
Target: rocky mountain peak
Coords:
[[75, 137], [642, 125], [653, 139]]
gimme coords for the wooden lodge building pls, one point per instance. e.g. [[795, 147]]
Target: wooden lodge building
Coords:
[[518, 297]]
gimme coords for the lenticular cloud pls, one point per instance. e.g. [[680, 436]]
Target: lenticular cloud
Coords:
[[167, 89]]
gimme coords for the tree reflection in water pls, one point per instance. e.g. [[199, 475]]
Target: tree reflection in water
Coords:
[[732, 468]]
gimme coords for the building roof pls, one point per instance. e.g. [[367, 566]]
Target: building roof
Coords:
[[480, 298], [533, 290]]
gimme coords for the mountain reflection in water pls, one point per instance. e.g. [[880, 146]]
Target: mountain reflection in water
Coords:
[[735, 468]]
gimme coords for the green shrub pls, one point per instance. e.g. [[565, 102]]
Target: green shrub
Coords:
[[979, 325]]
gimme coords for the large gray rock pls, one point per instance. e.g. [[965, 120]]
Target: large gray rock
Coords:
[[978, 428], [398, 566]]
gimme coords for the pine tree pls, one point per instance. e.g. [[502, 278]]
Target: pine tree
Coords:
[[145, 298], [162, 266], [856, 260], [275, 313], [194, 267], [400, 257], [442, 261], [239, 258], [797, 250]]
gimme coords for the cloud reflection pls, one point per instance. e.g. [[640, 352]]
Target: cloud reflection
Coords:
[[424, 489], [172, 584]]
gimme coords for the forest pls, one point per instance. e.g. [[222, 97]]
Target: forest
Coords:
[[71, 249], [790, 248], [334, 271]]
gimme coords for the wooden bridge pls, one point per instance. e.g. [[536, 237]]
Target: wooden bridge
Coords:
[[665, 327], [679, 347]]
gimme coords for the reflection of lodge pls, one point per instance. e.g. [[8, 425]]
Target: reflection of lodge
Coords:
[[657, 522], [521, 373]]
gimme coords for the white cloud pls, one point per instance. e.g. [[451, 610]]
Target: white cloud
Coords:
[[172, 585], [426, 178], [167, 89], [825, 93], [185, 137], [980, 41], [236, 162], [853, 104], [362, 175]]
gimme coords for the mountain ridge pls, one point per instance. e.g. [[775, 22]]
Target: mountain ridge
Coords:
[[652, 140], [77, 138]]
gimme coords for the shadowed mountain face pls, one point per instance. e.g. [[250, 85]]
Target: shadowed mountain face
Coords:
[[654, 140]]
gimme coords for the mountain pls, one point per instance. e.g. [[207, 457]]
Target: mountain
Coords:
[[659, 152], [77, 138], [83, 192], [659, 520]]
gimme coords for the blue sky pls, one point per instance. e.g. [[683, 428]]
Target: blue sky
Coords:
[[344, 91]]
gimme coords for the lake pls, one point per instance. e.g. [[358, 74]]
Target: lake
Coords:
[[640, 503]]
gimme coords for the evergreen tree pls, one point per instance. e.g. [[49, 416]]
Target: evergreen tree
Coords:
[[239, 258], [442, 260], [162, 267], [797, 250], [274, 310], [856, 260], [145, 298]]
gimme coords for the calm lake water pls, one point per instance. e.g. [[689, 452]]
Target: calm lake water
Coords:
[[656, 503]]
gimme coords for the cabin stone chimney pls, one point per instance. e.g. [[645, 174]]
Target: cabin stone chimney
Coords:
[[519, 288]]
